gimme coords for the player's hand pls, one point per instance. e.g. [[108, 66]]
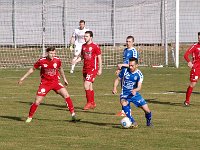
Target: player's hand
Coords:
[[117, 72], [73, 62], [114, 91], [71, 48], [99, 72], [190, 64], [20, 81], [119, 66], [133, 92], [66, 82]]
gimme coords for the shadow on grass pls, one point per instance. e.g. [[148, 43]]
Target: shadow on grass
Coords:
[[63, 107], [154, 101], [12, 118], [96, 123], [52, 105], [92, 111]]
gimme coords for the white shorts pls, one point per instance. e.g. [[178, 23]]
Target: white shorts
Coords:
[[77, 49]]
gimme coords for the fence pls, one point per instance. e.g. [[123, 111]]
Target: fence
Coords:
[[27, 27]]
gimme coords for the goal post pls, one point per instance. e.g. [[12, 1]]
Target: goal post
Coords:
[[177, 33]]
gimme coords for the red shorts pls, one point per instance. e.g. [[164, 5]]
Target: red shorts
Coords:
[[90, 76], [45, 87], [194, 74]]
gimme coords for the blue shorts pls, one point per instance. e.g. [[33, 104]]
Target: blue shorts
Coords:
[[137, 100]]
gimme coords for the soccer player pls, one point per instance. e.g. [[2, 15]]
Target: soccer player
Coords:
[[77, 39], [50, 71], [194, 64], [132, 79], [128, 53], [92, 66]]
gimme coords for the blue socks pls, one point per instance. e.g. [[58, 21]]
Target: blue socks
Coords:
[[148, 118], [127, 110]]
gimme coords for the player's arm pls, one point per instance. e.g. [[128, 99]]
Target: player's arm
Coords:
[[30, 71], [119, 66], [100, 64], [72, 41], [116, 82], [139, 87], [62, 73], [186, 56]]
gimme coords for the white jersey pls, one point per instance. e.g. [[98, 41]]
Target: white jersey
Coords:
[[79, 35]]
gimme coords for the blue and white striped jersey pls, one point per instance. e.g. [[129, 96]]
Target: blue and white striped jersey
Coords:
[[130, 80], [129, 53]]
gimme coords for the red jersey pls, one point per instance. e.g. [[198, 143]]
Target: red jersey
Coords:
[[89, 54], [49, 68], [194, 50]]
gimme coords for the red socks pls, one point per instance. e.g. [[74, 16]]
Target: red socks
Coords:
[[69, 104], [89, 96], [188, 94], [32, 110], [68, 101], [92, 96]]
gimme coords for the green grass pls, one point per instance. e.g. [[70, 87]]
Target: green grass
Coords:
[[175, 126]]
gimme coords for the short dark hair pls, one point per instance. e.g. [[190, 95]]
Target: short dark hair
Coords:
[[82, 21], [51, 48], [90, 33], [198, 33], [133, 59], [130, 37]]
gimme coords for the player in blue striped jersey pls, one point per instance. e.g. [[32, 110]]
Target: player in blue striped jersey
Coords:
[[132, 79], [128, 53]]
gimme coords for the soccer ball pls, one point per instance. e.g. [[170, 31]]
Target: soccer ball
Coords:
[[126, 122]]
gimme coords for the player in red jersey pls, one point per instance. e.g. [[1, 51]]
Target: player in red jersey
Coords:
[[50, 71], [92, 66], [194, 64]]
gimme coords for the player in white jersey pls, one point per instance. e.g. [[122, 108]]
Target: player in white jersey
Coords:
[[77, 39]]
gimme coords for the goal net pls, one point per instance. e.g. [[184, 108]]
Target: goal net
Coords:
[[28, 27]]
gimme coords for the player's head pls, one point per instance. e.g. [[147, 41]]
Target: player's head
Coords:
[[88, 36], [199, 37], [81, 24], [129, 41], [133, 64], [51, 52]]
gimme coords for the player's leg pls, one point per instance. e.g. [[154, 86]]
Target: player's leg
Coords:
[[194, 76], [88, 85], [88, 93], [73, 64], [41, 93], [76, 54], [92, 96], [127, 109], [64, 93], [139, 101], [188, 93], [61, 90], [34, 106], [148, 114]]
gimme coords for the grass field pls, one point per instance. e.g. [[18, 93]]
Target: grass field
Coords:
[[175, 126]]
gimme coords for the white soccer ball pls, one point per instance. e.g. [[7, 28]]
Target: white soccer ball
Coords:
[[126, 122]]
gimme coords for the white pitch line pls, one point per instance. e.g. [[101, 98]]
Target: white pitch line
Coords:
[[16, 77], [106, 94]]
